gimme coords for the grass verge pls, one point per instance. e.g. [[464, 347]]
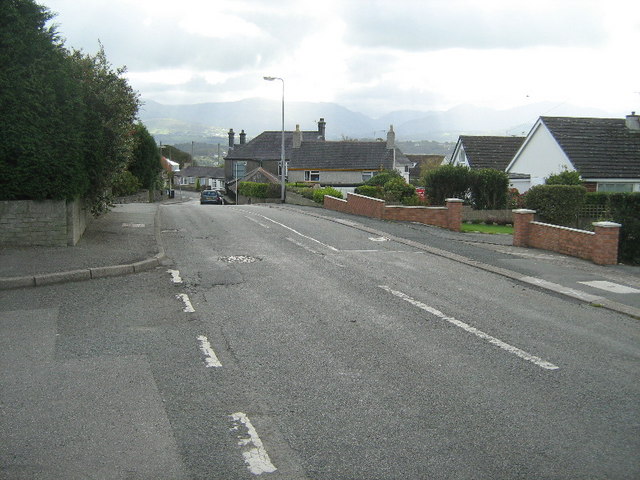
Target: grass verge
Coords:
[[483, 228]]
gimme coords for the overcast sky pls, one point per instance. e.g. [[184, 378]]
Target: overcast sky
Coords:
[[372, 56]]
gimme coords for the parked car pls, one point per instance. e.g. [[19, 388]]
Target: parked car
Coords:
[[211, 196]]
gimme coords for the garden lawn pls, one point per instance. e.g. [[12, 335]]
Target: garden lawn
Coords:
[[483, 228]]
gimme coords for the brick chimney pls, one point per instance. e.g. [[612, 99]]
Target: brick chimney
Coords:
[[391, 138], [232, 138], [297, 137], [322, 125], [243, 137], [633, 122]]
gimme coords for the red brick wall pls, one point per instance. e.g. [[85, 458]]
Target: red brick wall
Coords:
[[600, 246], [446, 217]]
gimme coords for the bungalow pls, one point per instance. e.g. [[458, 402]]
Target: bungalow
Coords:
[[606, 152], [209, 177], [263, 151], [485, 151], [344, 164]]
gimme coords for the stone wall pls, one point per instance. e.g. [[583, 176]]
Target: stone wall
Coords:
[[449, 217], [43, 223]]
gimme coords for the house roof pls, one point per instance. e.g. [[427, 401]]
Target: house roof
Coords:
[[490, 151], [345, 156], [597, 147], [268, 146], [195, 171]]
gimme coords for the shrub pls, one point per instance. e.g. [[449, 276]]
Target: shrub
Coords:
[[259, 190], [557, 204], [380, 179], [447, 181], [370, 191], [565, 177], [125, 183], [319, 193], [489, 188], [396, 189], [515, 199], [625, 209]]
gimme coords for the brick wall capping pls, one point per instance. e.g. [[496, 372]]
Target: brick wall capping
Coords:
[[607, 224], [562, 227], [453, 200], [523, 211], [336, 198], [416, 207], [364, 196]]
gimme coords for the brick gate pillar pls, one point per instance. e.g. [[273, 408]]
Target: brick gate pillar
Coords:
[[454, 214], [604, 250], [522, 218]]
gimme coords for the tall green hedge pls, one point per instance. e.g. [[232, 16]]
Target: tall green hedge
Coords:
[[624, 208], [557, 204]]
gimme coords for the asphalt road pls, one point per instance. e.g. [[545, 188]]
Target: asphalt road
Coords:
[[277, 344]]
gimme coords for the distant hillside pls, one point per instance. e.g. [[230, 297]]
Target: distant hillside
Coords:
[[210, 122]]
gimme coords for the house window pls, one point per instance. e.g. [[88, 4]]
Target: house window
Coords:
[[312, 175], [367, 176], [615, 187]]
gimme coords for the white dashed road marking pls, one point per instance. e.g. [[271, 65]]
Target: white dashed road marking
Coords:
[[188, 308], [478, 333], [610, 286], [175, 276], [211, 360], [253, 451], [300, 234]]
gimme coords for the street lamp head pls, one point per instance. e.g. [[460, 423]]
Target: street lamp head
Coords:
[[270, 79]]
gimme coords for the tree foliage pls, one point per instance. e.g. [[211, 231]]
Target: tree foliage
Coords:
[[66, 117], [145, 162], [557, 204]]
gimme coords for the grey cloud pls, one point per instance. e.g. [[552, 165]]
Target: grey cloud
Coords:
[[428, 25]]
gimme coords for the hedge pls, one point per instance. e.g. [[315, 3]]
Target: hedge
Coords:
[[557, 204], [259, 190], [624, 208]]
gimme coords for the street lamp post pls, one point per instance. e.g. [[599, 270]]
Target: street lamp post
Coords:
[[282, 161]]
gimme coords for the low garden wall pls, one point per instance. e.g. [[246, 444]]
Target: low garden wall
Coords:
[[599, 246], [449, 216], [52, 223]]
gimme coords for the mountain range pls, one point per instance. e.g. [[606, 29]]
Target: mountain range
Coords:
[[210, 122]]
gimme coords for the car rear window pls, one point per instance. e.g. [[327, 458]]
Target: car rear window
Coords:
[[210, 194]]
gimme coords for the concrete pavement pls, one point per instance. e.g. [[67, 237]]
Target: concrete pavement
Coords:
[[127, 240]]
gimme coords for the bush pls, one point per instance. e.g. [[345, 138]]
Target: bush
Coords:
[[396, 189], [319, 193], [125, 183], [557, 204], [447, 181], [625, 209], [370, 191], [515, 199], [565, 177], [383, 177], [489, 188], [259, 190]]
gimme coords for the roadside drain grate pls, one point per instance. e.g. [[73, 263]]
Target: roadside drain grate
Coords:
[[239, 259]]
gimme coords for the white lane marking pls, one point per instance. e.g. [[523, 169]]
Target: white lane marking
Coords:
[[379, 239], [610, 286], [478, 333], [175, 276], [301, 245], [561, 289], [211, 360], [254, 453], [256, 221], [133, 225], [300, 234], [188, 308]]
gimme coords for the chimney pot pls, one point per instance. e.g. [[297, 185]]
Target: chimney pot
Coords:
[[391, 138], [232, 138], [297, 137], [243, 137]]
